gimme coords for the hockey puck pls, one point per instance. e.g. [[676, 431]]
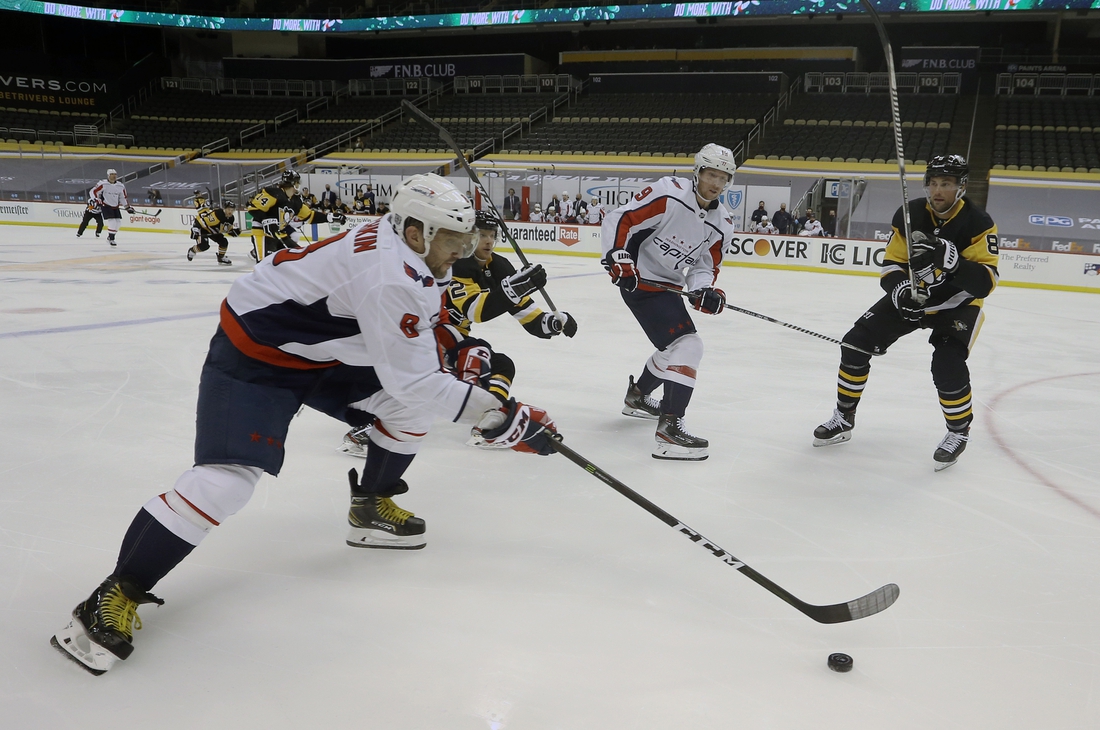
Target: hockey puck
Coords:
[[840, 662]]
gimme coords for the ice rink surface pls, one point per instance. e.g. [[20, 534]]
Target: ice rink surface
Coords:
[[544, 600]]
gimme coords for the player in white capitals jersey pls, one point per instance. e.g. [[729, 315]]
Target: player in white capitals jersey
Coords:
[[111, 195], [345, 326], [671, 233]]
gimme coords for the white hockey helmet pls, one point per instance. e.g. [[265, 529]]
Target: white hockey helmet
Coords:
[[437, 204], [538, 207], [715, 157], [111, 171]]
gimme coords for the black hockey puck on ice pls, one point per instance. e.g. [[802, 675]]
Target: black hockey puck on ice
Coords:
[[840, 662]]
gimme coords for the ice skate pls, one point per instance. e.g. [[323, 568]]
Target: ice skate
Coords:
[[101, 631], [836, 430], [376, 522], [951, 448], [190, 254], [79, 235], [111, 239], [675, 443], [224, 260], [355, 441], [639, 405]]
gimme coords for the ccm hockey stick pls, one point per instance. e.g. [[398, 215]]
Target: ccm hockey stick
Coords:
[[920, 296], [874, 602], [425, 121], [686, 295]]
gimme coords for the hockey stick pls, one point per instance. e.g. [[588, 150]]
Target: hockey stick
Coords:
[[868, 605], [766, 318], [424, 120], [920, 296]]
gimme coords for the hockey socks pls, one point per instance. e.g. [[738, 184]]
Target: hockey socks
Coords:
[[647, 382], [382, 471], [677, 397], [850, 382], [957, 409], [149, 551]]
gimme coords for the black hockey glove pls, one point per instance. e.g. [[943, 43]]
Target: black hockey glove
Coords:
[[337, 217], [932, 258], [620, 266], [517, 426], [235, 232], [559, 323], [902, 297], [130, 209], [708, 301], [523, 282], [271, 227], [196, 233]]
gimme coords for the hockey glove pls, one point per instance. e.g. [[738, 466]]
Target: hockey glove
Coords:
[[235, 232], [902, 297], [517, 426], [469, 360], [708, 301], [925, 260], [271, 227], [523, 282], [621, 268], [556, 323], [337, 217], [196, 233], [130, 209]]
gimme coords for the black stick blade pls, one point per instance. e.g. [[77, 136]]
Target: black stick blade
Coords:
[[874, 602]]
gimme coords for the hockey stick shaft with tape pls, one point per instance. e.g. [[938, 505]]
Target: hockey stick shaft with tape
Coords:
[[920, 296], [868, 605], [766, 318], [426, 121]]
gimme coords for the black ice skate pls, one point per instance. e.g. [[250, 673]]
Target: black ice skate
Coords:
[[102, 628], [675, 443], [836, 430], [639, 405], [190, 254], [376, 522], [355, 441], [951, 448], [111, 239], [224, 260]]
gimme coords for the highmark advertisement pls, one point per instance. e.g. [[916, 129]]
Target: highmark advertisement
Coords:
[[1042, 269]]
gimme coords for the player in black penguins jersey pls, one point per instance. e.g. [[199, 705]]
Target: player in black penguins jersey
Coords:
[[484, 287], [954, 260], [268, 208], [212, 224]]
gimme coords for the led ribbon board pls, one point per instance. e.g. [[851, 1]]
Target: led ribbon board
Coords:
[[593, 13]]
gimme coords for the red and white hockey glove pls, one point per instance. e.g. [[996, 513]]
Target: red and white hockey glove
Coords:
[[470, 360], [708, 301], [621, 267], [519, 427]]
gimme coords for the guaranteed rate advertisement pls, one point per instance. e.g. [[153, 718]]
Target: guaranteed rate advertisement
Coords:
[[579, 14]]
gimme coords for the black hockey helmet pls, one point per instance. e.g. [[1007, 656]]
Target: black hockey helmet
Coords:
[[199, 198], [289, 179], [227, 203], [947, 166], [485, 221]]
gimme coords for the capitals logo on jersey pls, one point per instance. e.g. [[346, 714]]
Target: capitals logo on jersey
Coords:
[[413, 274]]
